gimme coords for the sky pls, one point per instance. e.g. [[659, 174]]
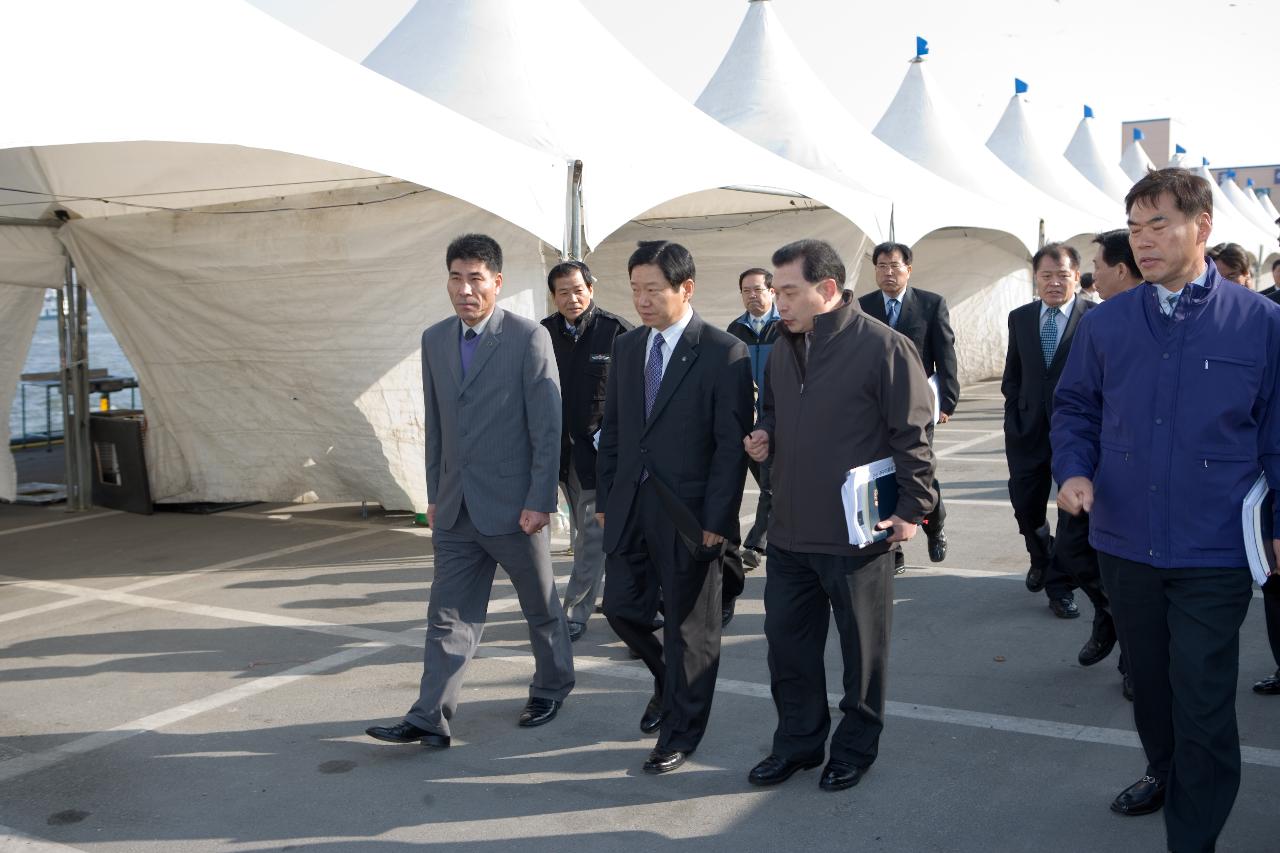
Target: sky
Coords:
[[1213, 65]]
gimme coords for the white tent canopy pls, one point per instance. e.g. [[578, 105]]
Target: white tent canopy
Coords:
[[1134, 161], [920, 124], [1229, 223], [1086, 155], [1269, 207], [1016, 143], [549, 75], [1246, 203], [766, 91]]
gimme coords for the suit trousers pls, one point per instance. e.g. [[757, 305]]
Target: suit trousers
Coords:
[[465, 561], [652, 564], [1074, 553], [801, 593], [1271, 608], [938, 515], [1180, 629], [758, 536], [1030, 481], [583, 589]]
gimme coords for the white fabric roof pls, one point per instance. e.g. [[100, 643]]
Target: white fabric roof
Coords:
[[549, 75], [920, 124], [1229, 224], [1269, 207], [1134, 161], [766, 91], [1247, 204], [207, 71], [1086, 155], [1018, 146]]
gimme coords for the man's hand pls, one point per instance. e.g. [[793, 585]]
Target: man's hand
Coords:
[[600, 519], [711, 540], [1275, 546], [901, 530], [431, 516], [1076, 494], [943, 417], [757, 445], [531, 522]]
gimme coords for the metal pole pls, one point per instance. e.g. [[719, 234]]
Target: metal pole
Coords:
[[80, 349], [65, 388], [573, 201]]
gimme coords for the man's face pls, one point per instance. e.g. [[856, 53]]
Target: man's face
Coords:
[[1275, 276], [1167, 244], [1243, 279], [572, 295], [892, 274], [473, 289], [1056, 281], [757, 297], [657, 302], [1108, 280], [798, 300]]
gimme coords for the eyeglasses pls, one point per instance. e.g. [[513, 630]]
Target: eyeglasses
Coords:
[[894, 267], [1048, 277], [755, 291]]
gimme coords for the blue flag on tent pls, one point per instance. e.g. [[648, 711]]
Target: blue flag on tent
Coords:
[[922, 46], [1178, 149], [1138, 134], [1019, 86], [1088, 111]]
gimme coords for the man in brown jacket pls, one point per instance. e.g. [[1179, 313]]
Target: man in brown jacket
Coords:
[[841, 390]]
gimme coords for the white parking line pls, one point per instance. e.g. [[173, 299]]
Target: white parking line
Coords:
[[75, 519], [973, 442], [13, 841]]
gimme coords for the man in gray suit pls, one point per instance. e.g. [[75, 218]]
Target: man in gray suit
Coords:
[[493, 446]]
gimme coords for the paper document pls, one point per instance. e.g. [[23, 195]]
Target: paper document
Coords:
[[870, 495], [1256, 515], [937, 397]]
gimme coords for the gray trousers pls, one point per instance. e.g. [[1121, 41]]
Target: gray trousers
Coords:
[[583, 590], [459, 602]]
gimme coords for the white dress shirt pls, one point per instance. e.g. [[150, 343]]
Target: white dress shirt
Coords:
[[670, 337]]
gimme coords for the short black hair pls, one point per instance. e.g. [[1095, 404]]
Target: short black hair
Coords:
[[1274, 264], [1236, 258], [820, 260], [1192, 194], [1057, 251], [673, 259], [889, 249], [1116, 249], [1086, 281], [768, 276], [565, 269], [475, 247]]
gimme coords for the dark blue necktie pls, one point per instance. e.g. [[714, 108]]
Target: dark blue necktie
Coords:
[[652, 375], [1049, 335], [891, 309]]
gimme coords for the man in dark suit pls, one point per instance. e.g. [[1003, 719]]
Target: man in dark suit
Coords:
[[582, 334], [921, 316], [669, 486], [492, 417], [1040, 336]]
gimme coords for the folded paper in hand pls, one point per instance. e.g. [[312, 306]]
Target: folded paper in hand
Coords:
[[1256, 513], [870, 495]]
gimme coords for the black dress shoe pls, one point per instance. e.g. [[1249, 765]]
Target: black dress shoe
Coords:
[[652, 719], [664, 761], [750, 558], [899, 562], [1064, 608], [938, 547], [1035, 578], [539, 711], [1269, 686], [1100, 644], [1142, 797], [774, 769], [406, 732], [1126, 687], [838, 775], [726, 613], [576, 630]]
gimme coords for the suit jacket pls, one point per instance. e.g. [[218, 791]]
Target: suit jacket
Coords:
[[923, 317], [692, 440], [1027, 384], [493, 437]]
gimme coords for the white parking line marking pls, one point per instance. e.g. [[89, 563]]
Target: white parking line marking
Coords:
[[73, 520]]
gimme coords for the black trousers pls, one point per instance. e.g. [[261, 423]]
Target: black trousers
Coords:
[[938, 515], [1073, 552], [653, 565], [1030, 480], [1271, 608], [801, 593], [758, 535], [1180, 629]]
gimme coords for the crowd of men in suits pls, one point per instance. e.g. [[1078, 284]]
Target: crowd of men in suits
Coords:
[[650, 432]]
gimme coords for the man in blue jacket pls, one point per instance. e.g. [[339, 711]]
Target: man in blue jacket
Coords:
[[1167, 412]]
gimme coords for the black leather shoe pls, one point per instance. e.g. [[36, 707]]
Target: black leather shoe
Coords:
[[938, 547], [750, 559], [1100, 644], [663, 761], [1142, 797], [899, 562], [1035, 578], [838, 775], [1126, 687], [726, 613], [1064, 608], [406, 732], [539, 711], [1269, 686], [652, 719], [576, 630], [774, 770]]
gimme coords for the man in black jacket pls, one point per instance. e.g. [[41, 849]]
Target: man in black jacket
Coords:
[[669, 487], [921, 316], [865, 398], [1040, 335], [582, 335]]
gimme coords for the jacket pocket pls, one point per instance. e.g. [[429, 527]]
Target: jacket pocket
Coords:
[[1112, 507], [1207, 520]]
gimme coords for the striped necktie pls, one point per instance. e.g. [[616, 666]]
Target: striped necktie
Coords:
[[891, 310]]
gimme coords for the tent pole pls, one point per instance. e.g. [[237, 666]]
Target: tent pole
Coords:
[[81, 352], [73, 335], [66, 389], [573, 210], [892, 237]]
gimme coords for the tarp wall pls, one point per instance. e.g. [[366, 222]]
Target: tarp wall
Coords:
[[279, 351]]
